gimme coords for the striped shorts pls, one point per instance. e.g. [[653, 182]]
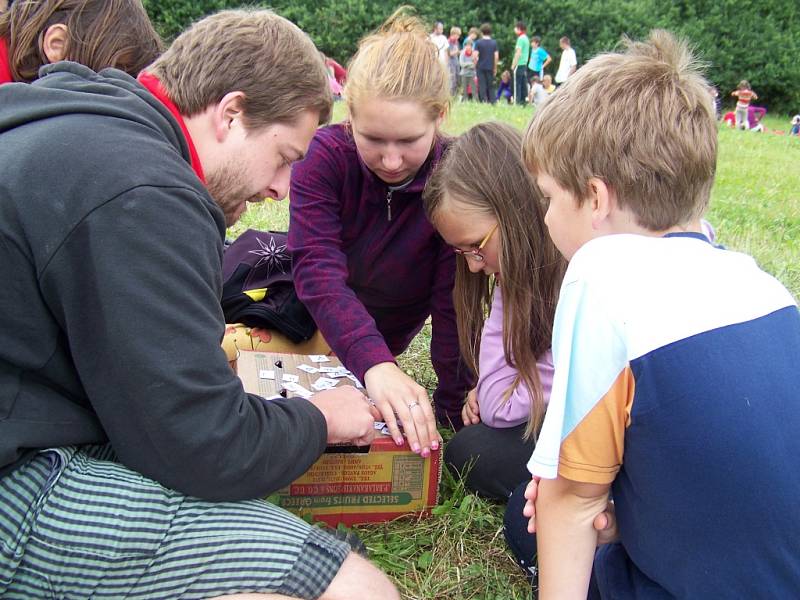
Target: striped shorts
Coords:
[[74, 523]]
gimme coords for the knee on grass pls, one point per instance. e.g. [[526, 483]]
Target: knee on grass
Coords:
[[357, 578]]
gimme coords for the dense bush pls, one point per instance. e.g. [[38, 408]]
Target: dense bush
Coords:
[[737, 38]]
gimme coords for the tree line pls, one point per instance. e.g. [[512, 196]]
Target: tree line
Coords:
[[738, 39]]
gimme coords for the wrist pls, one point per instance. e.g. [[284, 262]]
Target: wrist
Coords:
[[380, 370]]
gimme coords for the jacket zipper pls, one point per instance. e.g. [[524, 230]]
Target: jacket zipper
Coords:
[[389, 205]]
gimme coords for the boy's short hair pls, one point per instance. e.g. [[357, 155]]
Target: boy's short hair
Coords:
[[486, 29], [521, 26], [564, 40], [536, 40], [257, 52], [643, 122]]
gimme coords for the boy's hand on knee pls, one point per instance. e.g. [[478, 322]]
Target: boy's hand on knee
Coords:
[[529, 510], [349, 415], [470, 414], [605, 523]]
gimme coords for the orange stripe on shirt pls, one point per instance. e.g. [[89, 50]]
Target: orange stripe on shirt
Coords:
[[592, 452]]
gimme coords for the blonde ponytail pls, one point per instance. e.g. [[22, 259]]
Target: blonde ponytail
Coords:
[[398, 62]]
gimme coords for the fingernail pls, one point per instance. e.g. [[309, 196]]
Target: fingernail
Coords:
[[415, 447], [398, 441], [434, 445], [425, 453]]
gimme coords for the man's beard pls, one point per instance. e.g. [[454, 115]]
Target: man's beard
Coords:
[[227, 188]]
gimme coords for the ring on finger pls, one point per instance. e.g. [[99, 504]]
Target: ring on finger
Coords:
[[412, 405]]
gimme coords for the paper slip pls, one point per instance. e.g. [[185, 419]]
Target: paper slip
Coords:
[[340, 372], [307, 368], [274, 397], [288, 377], [318, 358], [264, 374], [299, 390], [323, 383], [329, 369]]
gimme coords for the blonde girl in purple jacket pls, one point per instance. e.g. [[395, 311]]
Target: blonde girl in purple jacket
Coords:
[[484, 203]]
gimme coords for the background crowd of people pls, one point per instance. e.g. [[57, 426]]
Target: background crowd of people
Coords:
[[474, 61]]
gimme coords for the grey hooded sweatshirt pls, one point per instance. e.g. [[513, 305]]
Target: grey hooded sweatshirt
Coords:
[[110, 285]]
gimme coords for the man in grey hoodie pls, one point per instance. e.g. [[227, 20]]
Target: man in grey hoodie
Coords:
[[131, 459]]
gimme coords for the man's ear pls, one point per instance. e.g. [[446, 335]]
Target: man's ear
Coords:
[[54, 42], [227, 114], [602, 201]]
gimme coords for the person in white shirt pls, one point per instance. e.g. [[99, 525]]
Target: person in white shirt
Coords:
[[439, 40], [569, 62]]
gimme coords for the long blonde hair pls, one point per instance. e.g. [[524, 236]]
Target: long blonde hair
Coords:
[[398, 62], [483, 169]]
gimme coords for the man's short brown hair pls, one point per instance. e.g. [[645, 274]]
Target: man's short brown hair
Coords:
[[643, 122], [257, 52]]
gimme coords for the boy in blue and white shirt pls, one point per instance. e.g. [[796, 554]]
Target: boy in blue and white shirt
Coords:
[[677, 363]]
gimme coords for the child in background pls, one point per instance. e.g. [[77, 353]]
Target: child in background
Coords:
[[538, 95], [744, 94], [547, 83], [467, 63], [714, 93], [504, 89], [453, 55], [489, 209], [757, 126], [795, 125], [675, 361]]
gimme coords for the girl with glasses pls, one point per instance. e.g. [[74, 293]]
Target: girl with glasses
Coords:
[[367, 264], [508, 274]]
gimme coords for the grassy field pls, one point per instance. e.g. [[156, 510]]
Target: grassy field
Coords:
[[459, 553]]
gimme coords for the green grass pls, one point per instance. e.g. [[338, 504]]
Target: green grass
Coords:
[[459, 553]]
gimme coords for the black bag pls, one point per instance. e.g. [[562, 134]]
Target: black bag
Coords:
[[258, 289]]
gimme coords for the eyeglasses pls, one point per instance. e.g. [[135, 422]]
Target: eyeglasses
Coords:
[[476, 254]]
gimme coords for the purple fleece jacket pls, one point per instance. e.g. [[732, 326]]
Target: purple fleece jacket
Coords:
[[369, 281]]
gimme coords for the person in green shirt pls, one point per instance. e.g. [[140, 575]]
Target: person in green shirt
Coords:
[[519, 63]]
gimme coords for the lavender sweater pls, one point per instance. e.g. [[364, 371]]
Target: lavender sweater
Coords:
[[496, 375], [369, 281]]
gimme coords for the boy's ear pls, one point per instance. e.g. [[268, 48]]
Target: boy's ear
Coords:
[[227, 114], [602, 201], [54, 42]]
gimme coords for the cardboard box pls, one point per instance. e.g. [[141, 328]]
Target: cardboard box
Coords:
[[348, 485]]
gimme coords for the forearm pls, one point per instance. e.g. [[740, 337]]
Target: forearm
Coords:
[[342, 318], [320, 267], [566, 538]]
